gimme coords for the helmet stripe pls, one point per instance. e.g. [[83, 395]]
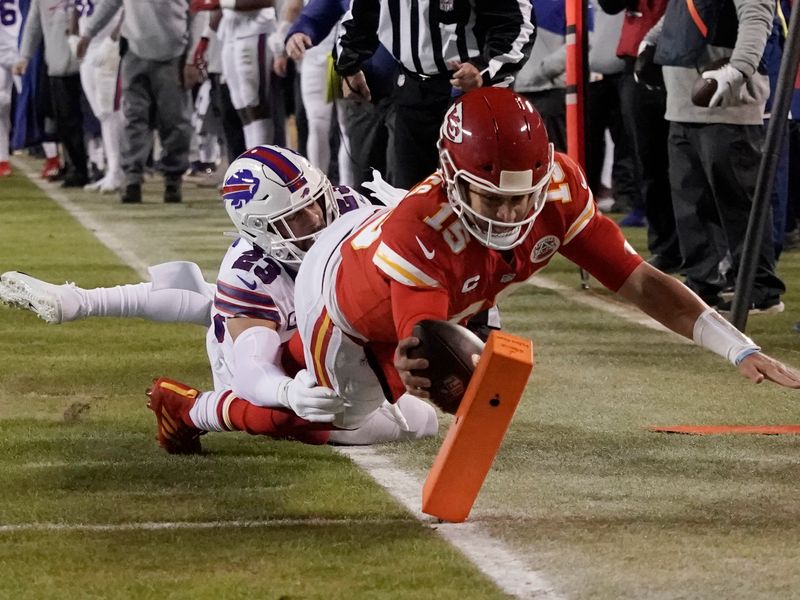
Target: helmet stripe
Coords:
[[280, 165]]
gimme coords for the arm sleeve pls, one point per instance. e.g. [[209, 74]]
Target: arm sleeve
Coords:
[[509, 30], [316, 20], [104, 13], [257, 374], [360, 39], [755, 24], [32, 33], [412, 305], [602, 250]]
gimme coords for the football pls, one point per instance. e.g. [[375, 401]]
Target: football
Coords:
[[449, 348], [702, 91]]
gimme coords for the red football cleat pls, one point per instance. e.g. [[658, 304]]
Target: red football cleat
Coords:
[[5, 169], [171, 401], [51, 168]]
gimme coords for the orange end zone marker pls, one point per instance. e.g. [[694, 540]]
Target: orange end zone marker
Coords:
[[480, 423]]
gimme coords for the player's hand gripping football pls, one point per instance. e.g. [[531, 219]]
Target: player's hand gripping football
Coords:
[[416, 386], [757, 367], [310, 401], [729, 82]]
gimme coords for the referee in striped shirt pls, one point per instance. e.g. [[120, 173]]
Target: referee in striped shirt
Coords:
[[444, 47]]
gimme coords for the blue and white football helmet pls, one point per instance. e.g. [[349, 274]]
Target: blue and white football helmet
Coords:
[[263, 188]]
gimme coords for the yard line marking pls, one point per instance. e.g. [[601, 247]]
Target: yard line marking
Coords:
[[172, 525], [618, 309], [494, 558]]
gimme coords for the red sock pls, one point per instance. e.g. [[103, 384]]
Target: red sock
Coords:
[[279, 423]]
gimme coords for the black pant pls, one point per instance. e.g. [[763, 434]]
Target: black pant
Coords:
[[603, 111], [551, 106], [713, 170], [419, 108], [643, 116], [366, 125], [66, 101]]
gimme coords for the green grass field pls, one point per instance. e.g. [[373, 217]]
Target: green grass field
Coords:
[[582, 492]]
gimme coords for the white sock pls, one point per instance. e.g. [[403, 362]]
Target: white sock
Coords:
[[112, 132], [208, 148], [416, 419], [50, 149], [258, 133], [140, 300], [204, 412]]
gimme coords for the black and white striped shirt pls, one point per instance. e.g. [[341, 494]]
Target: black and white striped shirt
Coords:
[[426, 35]]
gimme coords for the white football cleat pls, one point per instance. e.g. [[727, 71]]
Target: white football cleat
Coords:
[[110, 183], [52, 303]]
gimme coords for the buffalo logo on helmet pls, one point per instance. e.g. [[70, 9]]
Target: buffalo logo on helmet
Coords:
[[240, 188], [452, 128]]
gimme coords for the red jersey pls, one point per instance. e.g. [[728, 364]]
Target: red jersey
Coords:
[[418, 261]]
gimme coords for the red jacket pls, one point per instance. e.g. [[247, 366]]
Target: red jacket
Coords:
[[640, 16]]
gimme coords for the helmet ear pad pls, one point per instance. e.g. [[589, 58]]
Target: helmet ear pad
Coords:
[[264, 188], [495, 140]]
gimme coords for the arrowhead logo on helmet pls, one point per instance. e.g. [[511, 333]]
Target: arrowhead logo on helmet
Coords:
[[452, 127], [240, 188]]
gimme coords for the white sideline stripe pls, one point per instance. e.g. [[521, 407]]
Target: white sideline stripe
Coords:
[[86, 219], [493, 557], [618, 309], [171, 525]]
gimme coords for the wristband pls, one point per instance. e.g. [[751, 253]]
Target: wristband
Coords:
[[231, 4], [714, 333]]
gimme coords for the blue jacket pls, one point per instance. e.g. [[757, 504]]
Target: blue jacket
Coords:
[[317, 19]]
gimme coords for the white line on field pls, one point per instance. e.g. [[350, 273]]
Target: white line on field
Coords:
[[618, 309], [492, 556], [167, 525]]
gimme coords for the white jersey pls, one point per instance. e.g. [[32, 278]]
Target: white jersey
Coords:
[[253, 284], [245, 23], [10, 21]]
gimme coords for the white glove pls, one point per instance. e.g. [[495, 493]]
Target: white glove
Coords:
[[275, 44], [729, 81], [308, 400], [383, 191]]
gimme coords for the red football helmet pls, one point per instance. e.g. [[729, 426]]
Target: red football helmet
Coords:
[[494, 140]]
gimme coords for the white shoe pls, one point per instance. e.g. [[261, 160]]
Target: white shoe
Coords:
[[52, 303], [109, 186]]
